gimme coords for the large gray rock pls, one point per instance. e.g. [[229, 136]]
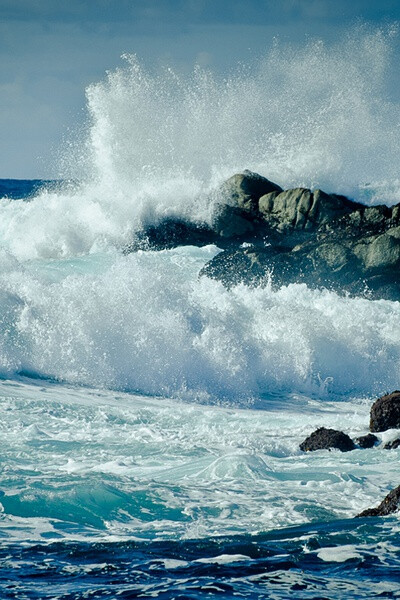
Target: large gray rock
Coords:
[[293, 236], [323, 240], [380, 251], [233, 222], [244, 190], [325, 264], [236, 200], [303, 209]]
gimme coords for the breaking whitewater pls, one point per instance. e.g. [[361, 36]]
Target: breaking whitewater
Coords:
[[151, 418]]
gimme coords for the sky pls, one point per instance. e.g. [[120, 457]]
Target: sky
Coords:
[[51, 50]]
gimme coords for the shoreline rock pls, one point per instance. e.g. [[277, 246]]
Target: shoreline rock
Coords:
[[291, 236], [389, 505], [392, 445], [326, 439], [323, 240], [385, 412], [367, 441]]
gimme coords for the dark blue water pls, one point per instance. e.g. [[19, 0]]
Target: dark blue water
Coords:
[[281, 564], [23, 188]]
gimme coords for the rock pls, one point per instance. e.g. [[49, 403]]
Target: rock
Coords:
[[302, 209], [319, 239], [233, 222], [244, 190], [296, 236], [329, 208], [250, 265], [385, 412], [380, 251], [392, 445], [367, 441], [287, 210], [171, 233], [323, 240], [325, 439], [236, 203], [390, 504], [327, 264]]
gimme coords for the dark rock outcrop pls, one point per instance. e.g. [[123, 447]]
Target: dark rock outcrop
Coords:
[[385, 412], [292, 236], [367, 441], [171, 233], [390, 504], [325, 439], [323, 240]]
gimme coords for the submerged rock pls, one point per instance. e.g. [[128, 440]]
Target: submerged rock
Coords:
[[367, 441], [390, 504], [385, 412], [325, 439]]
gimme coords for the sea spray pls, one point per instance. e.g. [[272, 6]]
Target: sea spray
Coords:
[[314, 116], [146, 322], [75, 309], [158, 142]]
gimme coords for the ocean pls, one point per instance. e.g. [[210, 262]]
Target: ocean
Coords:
[[150, 418]]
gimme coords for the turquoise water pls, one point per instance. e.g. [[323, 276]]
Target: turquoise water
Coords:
[[108, 494]]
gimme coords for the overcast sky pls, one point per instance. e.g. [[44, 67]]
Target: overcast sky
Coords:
[[52, 49]]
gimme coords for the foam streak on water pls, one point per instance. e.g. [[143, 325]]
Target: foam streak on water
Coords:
[[107, 494], [86, 463]]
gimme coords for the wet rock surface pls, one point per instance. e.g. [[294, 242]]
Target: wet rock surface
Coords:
[[385, 412], [270, 235], [326, 439], [170, 233], [367, 441], [244, 190], [390, 504]]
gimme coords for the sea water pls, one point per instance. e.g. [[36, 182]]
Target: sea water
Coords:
[[150, 418]]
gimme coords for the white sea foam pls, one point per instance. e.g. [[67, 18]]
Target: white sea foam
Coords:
[[314, 116], [223, 559], [147, 322], [338, 553], [70, 484]]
